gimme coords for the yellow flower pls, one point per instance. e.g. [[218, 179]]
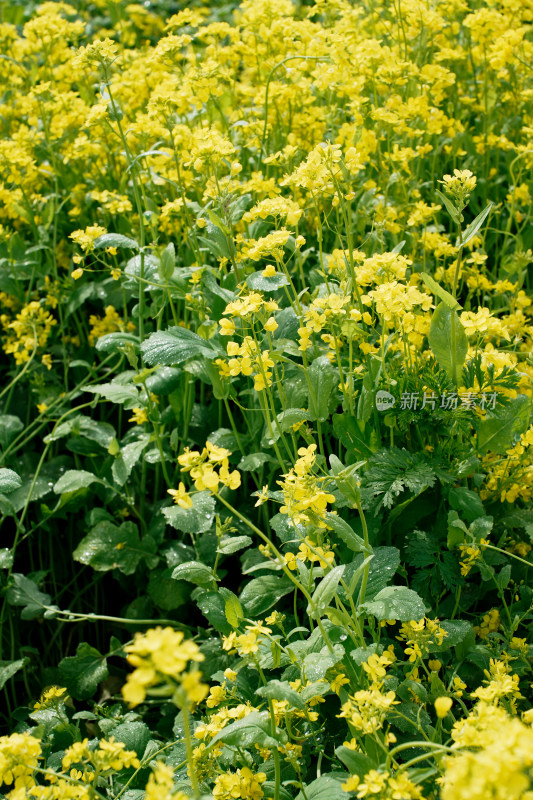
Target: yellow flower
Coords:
[[442, 706], [76, 274], [181, 497], [139, 416]]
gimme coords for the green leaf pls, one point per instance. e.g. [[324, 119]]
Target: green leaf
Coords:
[[232, 609], [25, 592], [6, 558], [262, 593], [255, 728], [281, 690], [474, 227], [74, 479], [128, 456], [82, 673], [232, 544], [168, 261], [108, 546], [126, 395], [396, 602], [497, 431], [324, 788], [115, 240], [439, 292], [457, 630], [467, 502], [175, 346], [10, 668], [254, 461], [116, 342], [354, 434], [344, 531], [451, 209], [195, 572], [198, 519], [9, 481], [323, 380], [355, 762], [284, 421], [164, 381], [325, 591], [135, 735], [450, 356], [9, 427], [315, 665], [259, 283]]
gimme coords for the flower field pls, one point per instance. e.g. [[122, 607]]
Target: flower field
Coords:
[[266, 436]]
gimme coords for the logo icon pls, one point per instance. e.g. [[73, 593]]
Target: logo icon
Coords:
[[384, 400]]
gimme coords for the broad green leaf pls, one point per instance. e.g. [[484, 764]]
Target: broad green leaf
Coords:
[[164, 381], [448, 341], [108, 546], [195, 572], [467, 502], [232, 544], [255, 728], [100, 432], [115, 342], [451, 209], [259, 283], [355, 762], [213, 607], [75, 479], [325, 591], [344, 531], [168, 261], [474, 227], [383, 566], [232, 609], [9, 427], [354, 434], [281, 690], [10, 668], [439, 292], [176, 345], [135, 735], [315, 665], [6, 558], [126, 395], [198, 519], [25, 592], [115, 240], [126, 459], [457, 631], [284, 422], [166, 593], [324, 788], [82, 673], [396, 602], [262, 593], [254, 461], [497, 431], [323, 380], [9, 481]]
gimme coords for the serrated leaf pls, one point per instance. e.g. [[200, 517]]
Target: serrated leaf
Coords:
[[115, 240], [474, 227], [108, 546], [175, 346], [198, 519], [75, 479], [396, 602], [9, 481], [82, 673], [195, 572], [497, 432], [448, 341]]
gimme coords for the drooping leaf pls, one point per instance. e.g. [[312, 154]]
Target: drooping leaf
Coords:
[[25, 592], [198, 519], [10, 668], [126, 395], [325, 591], [262, 593], [341, 528], [115, 240], [474, 226], [75, 479], [439, 292], [195, 572]]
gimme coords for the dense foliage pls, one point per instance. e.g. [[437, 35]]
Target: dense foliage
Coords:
[[266, 327]]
